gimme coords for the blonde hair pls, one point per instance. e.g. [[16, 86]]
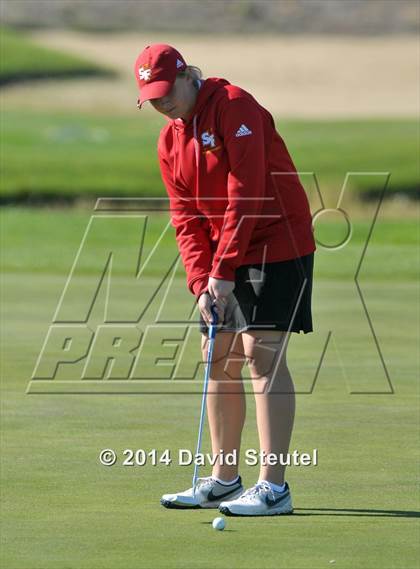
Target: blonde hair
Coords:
[[191, 71]]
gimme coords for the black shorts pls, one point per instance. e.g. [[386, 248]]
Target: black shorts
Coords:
[[270, 296]]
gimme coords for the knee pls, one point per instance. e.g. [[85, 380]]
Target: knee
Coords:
[[266, 353], [226, 363], [266, 367], [226, 370]]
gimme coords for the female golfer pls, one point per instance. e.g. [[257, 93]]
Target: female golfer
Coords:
[[244, 232]]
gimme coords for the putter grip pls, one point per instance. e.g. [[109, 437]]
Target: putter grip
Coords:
[[214, 320], [214, 314]]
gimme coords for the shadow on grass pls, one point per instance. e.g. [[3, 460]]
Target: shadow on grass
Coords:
[[355, 512]]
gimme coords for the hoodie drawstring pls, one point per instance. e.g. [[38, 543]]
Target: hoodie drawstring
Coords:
[[175, 138], [196, 154], [195, 140], [197, 157]]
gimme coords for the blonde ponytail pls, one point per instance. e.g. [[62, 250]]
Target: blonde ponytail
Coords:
[[191, 71]]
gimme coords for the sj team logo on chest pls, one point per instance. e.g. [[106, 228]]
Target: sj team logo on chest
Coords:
[[209, 142]]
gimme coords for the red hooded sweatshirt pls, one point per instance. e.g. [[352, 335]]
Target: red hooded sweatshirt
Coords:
[[235, 196]]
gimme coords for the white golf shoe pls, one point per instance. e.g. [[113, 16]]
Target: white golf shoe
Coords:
[[260, 500], [208, 494]]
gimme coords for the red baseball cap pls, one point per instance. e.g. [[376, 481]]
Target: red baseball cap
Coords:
[[156, 69]]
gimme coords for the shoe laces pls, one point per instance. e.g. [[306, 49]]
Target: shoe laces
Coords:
[[256, 490]]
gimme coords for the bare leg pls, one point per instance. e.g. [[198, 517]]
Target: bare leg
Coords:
[[225, 401], [274, 395]]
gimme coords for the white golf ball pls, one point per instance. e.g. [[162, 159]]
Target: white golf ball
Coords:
[[219, 524]]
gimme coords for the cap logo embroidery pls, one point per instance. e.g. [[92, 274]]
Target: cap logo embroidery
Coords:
[[179, 63], [145, 73]]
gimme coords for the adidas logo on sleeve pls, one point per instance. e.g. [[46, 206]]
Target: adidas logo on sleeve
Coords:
[[243, 130]]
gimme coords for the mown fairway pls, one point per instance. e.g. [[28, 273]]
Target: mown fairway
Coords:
[[62, 509]]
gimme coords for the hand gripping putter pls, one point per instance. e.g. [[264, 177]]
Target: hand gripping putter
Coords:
[[210, 346]]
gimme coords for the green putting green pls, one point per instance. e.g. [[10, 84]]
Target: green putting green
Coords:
[[62, 509]]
